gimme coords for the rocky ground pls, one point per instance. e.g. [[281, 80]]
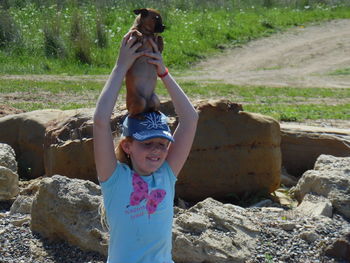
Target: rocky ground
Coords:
[[298, 238], [19, 245], [285, 236]]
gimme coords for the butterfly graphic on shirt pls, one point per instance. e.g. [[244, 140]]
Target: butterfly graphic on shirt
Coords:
[[140, 193]]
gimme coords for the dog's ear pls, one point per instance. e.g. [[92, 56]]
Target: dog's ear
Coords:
[[142, 11]]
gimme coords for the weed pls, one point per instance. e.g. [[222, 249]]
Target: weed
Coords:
[[268, 258]]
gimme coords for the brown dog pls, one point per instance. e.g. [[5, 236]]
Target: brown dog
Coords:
[[141, 78]]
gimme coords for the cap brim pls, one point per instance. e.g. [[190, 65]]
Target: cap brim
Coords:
[[147, 135]]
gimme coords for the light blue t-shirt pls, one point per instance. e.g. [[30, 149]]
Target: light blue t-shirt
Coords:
[[139, 212]]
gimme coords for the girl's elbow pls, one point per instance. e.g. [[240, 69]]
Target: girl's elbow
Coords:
[[195, 116], [99, 121]]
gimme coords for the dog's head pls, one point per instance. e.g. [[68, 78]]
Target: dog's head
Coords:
[[148, 21]]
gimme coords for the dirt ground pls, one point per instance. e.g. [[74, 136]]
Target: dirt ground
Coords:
[[299, 57]]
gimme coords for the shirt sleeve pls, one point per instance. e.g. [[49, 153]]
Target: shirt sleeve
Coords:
[[111, 183], [169, 172]]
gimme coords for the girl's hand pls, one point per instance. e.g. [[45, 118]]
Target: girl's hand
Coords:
[[157, 58], [127, 52]]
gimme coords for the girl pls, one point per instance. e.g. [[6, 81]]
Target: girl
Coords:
[[138, 182]]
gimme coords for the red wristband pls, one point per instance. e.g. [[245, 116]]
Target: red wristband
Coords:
[[164, 74]]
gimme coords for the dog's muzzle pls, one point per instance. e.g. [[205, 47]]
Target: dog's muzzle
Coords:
[[159, 28]]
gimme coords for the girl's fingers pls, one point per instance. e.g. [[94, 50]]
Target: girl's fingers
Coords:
[[136, 46], [131, 41], [139, 54], [154, 62], [152, 55], [154, 45], [126, 37]]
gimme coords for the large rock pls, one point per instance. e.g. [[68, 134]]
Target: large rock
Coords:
[[301, 145], [214, 233], [8, 157], [68, 209], [68, 148], [8, 184], [25, 133], [234, 153], [329, 178]]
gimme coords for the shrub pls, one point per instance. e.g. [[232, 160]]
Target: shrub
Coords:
[[9, 32], [80, 40], [101, 35], [53, 43]]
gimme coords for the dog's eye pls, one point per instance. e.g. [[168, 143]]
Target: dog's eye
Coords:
[[157, 17]]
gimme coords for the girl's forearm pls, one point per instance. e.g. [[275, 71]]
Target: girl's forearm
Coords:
[[108, 97], [182, 104]]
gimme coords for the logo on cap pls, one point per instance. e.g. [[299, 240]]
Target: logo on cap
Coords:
[[154, 121]]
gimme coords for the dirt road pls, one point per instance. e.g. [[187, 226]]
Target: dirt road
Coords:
[[299, 57]]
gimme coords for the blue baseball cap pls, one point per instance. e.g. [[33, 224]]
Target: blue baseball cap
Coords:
[[147, 126]]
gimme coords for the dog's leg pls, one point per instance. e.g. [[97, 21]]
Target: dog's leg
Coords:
[[136, 105], [160, 43], [153, 103]]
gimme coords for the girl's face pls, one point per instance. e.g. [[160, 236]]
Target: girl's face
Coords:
[[147, 156]]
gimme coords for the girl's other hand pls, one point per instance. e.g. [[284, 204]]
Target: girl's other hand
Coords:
[[157, 58], [127, 52]]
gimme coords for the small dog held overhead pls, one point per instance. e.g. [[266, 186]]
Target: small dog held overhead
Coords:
[[141, 79]]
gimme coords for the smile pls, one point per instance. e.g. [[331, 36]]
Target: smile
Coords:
[[154, 159]]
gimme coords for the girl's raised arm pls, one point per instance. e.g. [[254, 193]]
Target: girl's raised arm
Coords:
[[105, 158], [188, 117]]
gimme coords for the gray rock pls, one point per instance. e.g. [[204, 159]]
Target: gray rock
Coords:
[[8, 184], [329, 178], [22, 205], [68, 209], [340, 248], [213, 232], [309, 236], [8, 157], [315, 206]]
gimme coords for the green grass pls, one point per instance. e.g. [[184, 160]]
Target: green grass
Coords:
[[301, 112], [338, 72], [192, 34], [251, 92], [54, 87], [286, 104]]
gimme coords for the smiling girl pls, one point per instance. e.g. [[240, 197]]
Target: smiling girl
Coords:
[[138, 181]]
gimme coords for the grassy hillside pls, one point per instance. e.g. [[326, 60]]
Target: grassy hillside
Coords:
[[81, 37]]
